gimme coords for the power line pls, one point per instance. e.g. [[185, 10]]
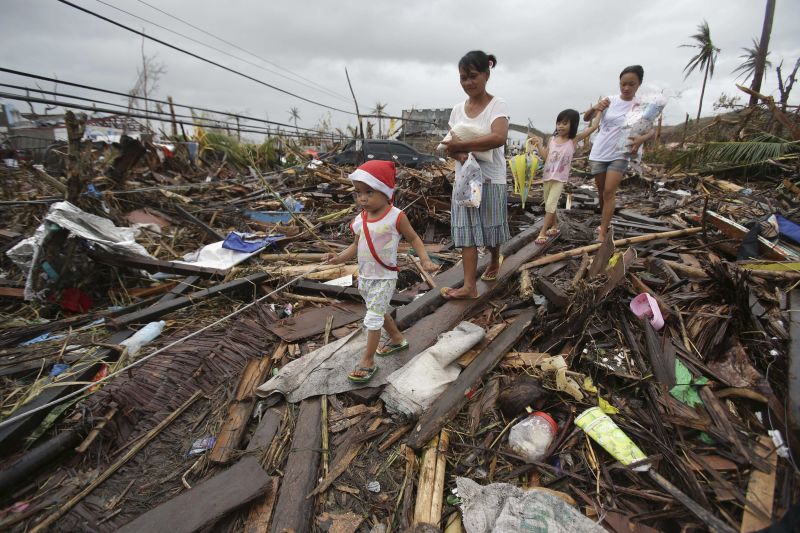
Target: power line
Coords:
[[232, 44], [201, 58], [35, 100], [154, 100], [177, 115], [166, 102], [315, 86]]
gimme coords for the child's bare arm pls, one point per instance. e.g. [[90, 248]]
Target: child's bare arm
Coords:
[[588, 131], [540, 146], [344, 256], [408, 233]]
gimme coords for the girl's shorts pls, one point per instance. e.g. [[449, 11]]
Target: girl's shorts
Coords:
[[618, 165]]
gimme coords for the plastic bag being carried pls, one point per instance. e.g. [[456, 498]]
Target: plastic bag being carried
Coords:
[[641, 118], [468, 188], [523, 169], [467, 132]]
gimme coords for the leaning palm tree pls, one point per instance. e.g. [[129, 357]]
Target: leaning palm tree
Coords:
[[379, 109], [748, 66], [705, 58], [294, 116]]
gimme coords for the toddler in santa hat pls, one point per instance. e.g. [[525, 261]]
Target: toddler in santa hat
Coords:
[[377, 231]]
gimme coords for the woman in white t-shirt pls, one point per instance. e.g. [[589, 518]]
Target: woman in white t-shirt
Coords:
[[486, 225], [608, 161]]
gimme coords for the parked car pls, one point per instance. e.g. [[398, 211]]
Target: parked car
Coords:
[[358, 151]]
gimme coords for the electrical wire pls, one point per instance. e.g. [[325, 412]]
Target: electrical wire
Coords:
[[201, 43], [168, 115], [21, 416], [151, 116], [146, 99], [235, 46], [204, 59]]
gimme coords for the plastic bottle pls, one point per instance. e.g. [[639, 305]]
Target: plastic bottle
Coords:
[[143, 337], [531, 437]]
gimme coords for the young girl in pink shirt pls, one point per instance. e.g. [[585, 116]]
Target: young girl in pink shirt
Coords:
[[558, 159]]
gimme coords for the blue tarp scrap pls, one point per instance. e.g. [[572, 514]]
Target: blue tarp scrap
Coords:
[[242, 242]]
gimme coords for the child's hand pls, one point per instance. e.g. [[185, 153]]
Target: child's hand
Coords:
[[537, 141], [329, 258], [429, 266], [602, 104]]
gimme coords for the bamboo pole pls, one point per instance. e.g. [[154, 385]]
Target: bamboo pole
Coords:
[[546, 260], [64, 509], [430, 489]]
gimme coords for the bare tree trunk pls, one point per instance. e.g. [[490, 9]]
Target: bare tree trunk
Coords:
[[703, 90], [75, 128], [763, 47]]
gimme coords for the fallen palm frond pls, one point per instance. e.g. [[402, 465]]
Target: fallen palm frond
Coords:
[[759, 151]]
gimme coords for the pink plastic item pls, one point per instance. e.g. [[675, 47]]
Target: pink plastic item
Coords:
[[645, 306]]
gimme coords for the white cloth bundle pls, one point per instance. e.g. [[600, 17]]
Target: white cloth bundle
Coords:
[[467, 132]]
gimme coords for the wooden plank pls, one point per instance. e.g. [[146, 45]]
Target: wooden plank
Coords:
[[474, 352], [761, 490], [239, 411], [155, 265], [454, 277], [342, 292], [313, 321], [554, 295], [600, 260], [267, 429], [211, 232], [736, 231], [12, 292], [261, 512], [292, 510], [163, 308], [454, 396], [205, 503]]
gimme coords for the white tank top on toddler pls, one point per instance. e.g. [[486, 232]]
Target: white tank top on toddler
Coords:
[[385, 239]]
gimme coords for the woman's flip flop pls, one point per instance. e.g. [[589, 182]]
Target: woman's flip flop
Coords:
[[486, 277], [446, 296], [389, 349], [368, 372]]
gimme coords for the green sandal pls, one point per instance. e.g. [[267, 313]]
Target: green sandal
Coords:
[[389, 349], [368, 370]]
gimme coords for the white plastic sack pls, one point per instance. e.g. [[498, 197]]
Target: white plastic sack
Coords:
[[467, 132], [504, 508], [468, 187], [413, 388], [641, 119], [215, 256]]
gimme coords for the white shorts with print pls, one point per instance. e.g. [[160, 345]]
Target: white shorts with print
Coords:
[[377, 294]]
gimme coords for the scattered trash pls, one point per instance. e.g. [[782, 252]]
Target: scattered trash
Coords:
[[531, 437]]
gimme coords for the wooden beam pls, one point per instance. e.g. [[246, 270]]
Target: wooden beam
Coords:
[[793, 385], [454, 397], [292, 510], [161, 309], [155, 265], [341, 292], [430, 489], [554, 295], [735, 230], [206, 502]]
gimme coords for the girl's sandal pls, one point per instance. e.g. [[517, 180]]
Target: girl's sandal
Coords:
[[389, 349], [368, 372], [542, 239], [444, 291], [553, 232]]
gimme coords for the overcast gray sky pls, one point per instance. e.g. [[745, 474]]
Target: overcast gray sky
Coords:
[[551, 54]]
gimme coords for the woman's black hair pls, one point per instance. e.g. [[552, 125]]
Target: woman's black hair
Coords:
[[573, 117], [478, 60], [633, 69]]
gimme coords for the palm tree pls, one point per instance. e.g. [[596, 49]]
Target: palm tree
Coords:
[[705, 58], [379, 109], [748, 66], [763, 50], [294, 116]]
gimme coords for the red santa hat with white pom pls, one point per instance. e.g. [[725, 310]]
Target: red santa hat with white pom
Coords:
[[379, 175]]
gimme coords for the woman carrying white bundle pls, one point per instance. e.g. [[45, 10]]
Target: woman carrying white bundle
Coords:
[[486, 225]]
